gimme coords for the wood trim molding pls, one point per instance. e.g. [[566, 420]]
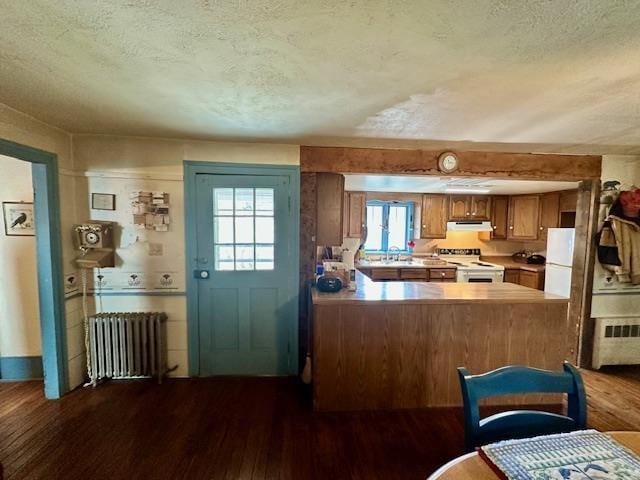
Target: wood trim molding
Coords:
[[531, 166]]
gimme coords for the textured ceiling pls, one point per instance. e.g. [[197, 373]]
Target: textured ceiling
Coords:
[[549, 75]]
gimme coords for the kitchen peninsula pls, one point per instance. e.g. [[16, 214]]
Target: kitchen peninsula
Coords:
[[392, 345]]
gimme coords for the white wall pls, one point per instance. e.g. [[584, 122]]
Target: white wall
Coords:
[[20, 128], [625, 169], [120, 165], [19, 315]]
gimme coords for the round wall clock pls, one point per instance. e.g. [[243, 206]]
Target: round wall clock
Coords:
[[448, 162]]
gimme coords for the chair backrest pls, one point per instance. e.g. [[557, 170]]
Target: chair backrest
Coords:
[[518, 424]]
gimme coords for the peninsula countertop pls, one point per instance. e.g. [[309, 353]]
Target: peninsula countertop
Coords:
[[368, 292]]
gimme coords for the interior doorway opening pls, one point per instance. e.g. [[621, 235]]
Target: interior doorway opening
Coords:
[[48, 254]]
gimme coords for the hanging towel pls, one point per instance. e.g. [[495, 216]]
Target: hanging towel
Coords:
[[607, 247], [627, 239]]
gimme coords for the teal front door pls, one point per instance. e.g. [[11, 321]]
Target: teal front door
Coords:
[[244, 252]]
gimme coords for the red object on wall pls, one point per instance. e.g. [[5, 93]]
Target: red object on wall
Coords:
[[630, 201]]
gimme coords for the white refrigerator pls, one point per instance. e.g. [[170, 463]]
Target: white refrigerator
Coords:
[[557, 275]]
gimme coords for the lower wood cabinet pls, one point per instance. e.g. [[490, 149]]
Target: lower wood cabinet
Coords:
[[413, 273], [532, 279], [384, 274], [442, 274], [525, 278], [512, 275]]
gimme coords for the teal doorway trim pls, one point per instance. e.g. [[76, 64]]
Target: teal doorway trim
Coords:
[[191, 170], [44, 167]]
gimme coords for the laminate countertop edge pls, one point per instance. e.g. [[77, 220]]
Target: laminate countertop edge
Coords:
[[369, 292]]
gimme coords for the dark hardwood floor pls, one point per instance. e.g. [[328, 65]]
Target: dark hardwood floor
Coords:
[[243, 428]]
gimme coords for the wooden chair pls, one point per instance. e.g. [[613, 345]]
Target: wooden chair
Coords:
[[520, 423]]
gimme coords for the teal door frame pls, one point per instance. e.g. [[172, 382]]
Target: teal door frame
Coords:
[[44, 167], [191, 170]]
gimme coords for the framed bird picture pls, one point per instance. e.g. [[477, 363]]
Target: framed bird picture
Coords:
[[18, 219]]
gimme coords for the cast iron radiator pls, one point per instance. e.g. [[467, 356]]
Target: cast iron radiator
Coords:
[[127, 345]]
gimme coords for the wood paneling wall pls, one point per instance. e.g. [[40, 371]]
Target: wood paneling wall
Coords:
[[405, 356], [307, 255], [425, 162]]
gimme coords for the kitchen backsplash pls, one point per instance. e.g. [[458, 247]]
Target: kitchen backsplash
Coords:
[[465, 240]]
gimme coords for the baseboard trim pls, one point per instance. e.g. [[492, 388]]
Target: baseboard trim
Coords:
[[21, 368]]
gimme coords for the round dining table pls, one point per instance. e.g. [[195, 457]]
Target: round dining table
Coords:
[[472, 467]]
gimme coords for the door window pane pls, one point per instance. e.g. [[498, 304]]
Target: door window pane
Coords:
[[242, 217], [264, 201], [244, 230], [264, 229], [223, 230], [244, 257], [223, 257], [264, 257], [244, 201], [223, 201]]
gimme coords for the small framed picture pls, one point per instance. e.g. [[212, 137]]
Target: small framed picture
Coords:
[[18, 219], [103, 201]]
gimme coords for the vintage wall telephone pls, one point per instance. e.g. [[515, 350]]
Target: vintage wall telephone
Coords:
[[95, 241]]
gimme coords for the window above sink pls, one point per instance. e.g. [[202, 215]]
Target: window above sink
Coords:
[[389, 224]]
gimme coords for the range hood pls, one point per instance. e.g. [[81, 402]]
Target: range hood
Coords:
[[469, 226]]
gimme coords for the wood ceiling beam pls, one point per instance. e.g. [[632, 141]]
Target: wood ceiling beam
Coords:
[[525, 166]]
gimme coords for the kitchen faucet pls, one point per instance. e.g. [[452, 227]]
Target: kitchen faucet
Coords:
[[396, 253]]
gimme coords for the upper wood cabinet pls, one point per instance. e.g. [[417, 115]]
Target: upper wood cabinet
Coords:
[[459, 208], [524, 215], [480, 207], [499, 217], [467, 207], [329, 209], [568, 200], [549, 213], [435, 212], [355, 210]]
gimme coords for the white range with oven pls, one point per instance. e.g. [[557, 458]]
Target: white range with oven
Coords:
[[469, 267]]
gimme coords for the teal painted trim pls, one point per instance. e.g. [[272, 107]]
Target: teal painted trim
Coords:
[[191, 169], [21, 368], [49, 254]]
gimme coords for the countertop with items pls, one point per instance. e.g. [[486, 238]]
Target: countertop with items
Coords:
[[414, 263], [508, 262]]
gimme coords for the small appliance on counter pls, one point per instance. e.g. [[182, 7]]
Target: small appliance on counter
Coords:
[[527, 257], [536, 259], [520, 257], [339, 270], [329, 284]]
